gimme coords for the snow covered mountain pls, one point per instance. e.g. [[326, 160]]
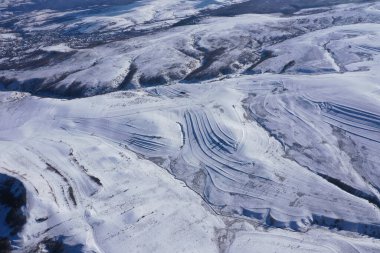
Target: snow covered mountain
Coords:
[[189, 126]]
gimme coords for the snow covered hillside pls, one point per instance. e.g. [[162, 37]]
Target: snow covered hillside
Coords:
[[189, 126]]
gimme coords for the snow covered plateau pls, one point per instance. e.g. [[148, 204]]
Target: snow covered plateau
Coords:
[[197, 126]]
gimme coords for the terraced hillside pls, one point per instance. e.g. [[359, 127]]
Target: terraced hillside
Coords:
[[189, 126]]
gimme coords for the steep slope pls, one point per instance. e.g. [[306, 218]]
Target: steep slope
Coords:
[[49, 54], [189, 126]]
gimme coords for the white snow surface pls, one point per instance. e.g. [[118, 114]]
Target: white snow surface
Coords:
[[259, 133], [337, 40], [120, 138]]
